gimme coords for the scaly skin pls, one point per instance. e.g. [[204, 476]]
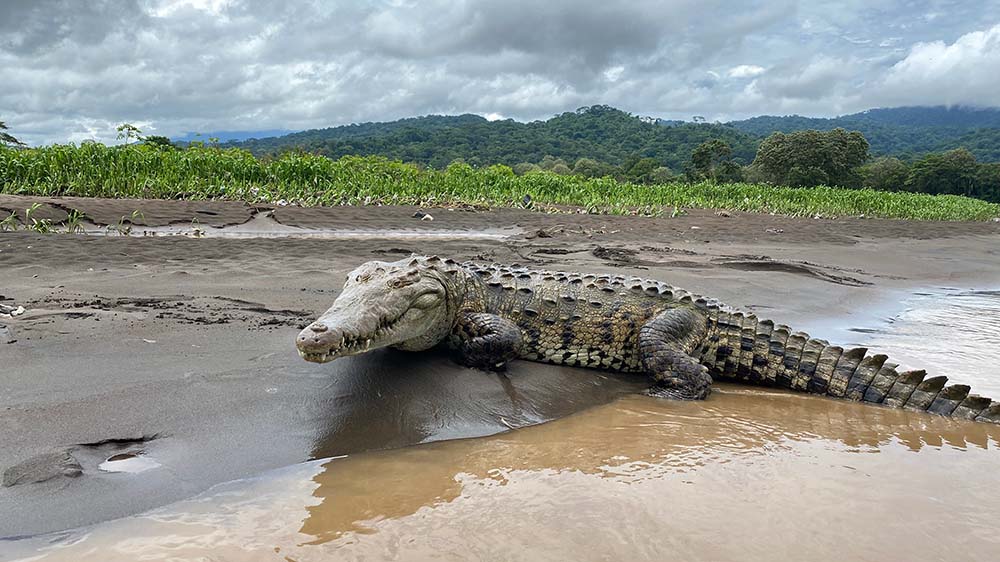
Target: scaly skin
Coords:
[[491, 314]]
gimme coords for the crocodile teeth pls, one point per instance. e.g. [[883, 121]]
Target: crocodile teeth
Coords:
[[368, 343]]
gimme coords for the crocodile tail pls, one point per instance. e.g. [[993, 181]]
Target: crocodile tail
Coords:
[[741, 348]]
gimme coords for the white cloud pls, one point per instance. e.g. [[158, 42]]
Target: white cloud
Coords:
[[614, 73], [745, 71], [71, 70], [964, 72], [166, 8]]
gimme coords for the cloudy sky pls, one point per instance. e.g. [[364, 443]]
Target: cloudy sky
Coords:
[[72, 69]]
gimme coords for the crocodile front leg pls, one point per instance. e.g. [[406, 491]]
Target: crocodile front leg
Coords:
[[485, 341], [665, 346]]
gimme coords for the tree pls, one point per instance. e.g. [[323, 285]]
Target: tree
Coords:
[[661, 175], [988, 181], [729, 172], [885, 174], [641, 170], [590, 168], [6, 138], [128, 131], [830, 157], [525, 167], [951, 172], [561, 168], [158, 141], [709, 159], [550, 162]]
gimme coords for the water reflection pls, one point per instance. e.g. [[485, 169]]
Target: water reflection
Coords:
[[389, 399], [640, 478], [635, 439]]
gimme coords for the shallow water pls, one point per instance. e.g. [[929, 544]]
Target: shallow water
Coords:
[[951, 332], [748, 475]]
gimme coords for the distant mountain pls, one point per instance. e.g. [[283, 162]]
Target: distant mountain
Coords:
[[898, 131], [227, 136], [610, 135]]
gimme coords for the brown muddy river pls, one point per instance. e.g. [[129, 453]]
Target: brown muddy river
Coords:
[[748, 475]]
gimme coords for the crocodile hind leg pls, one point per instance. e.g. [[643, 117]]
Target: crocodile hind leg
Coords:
[[485, 341], [666, 344]]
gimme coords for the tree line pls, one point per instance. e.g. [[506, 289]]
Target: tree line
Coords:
[[835, 158]]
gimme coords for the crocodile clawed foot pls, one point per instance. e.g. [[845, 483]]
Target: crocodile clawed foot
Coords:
[[680, 389], [677, 393]]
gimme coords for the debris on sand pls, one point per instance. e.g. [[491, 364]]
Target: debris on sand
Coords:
[[11, 311], [6, 335], [423, 216], [725, 214], [40, 468], [773, 230]]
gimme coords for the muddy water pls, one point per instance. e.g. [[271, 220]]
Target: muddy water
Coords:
[[748, 475]]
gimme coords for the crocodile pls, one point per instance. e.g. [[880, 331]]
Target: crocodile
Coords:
[[491, 314]]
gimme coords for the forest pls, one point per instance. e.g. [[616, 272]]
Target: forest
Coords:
[[593, 143], [611, 136], [925, 149]]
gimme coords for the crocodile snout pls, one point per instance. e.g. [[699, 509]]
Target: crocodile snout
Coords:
[[319, 339]]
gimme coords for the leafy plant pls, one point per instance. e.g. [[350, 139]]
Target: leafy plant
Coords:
[[136, 171], [41, 226], [73, 221], [124, 229], [10, 223], [196, 229], [7, 138], [128, 131]]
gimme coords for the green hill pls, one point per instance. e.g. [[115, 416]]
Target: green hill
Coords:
[[598, 132], [610, 135], [900, 131]]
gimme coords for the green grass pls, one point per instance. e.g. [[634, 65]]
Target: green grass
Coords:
[[95, 170]]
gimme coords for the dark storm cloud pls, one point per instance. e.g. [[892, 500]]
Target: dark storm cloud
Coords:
[[72, 70], [26, 26]]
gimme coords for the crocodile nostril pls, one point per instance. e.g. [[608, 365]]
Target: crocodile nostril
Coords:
[[318, 327]]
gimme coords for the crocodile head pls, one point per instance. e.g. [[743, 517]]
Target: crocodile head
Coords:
[[410, 304]]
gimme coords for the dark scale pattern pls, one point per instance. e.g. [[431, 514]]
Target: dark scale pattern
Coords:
[[568, 318], [625, 323]]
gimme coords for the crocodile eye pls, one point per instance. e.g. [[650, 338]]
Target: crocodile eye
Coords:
[[426, 300]]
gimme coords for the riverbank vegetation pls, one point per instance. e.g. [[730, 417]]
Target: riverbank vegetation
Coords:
[[159, 170]]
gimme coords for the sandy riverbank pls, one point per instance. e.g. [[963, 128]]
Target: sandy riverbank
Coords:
[[183, 346]]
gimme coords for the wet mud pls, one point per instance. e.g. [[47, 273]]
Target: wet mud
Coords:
[[179, 350]]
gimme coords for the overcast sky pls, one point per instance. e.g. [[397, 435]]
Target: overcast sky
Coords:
[[71, 70]]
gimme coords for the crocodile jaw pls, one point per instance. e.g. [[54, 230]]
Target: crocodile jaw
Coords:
[[410, 304]]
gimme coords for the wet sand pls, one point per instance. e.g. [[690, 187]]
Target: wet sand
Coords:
[[181, 346]]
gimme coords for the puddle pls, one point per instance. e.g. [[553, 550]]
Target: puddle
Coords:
[[131, 463]]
